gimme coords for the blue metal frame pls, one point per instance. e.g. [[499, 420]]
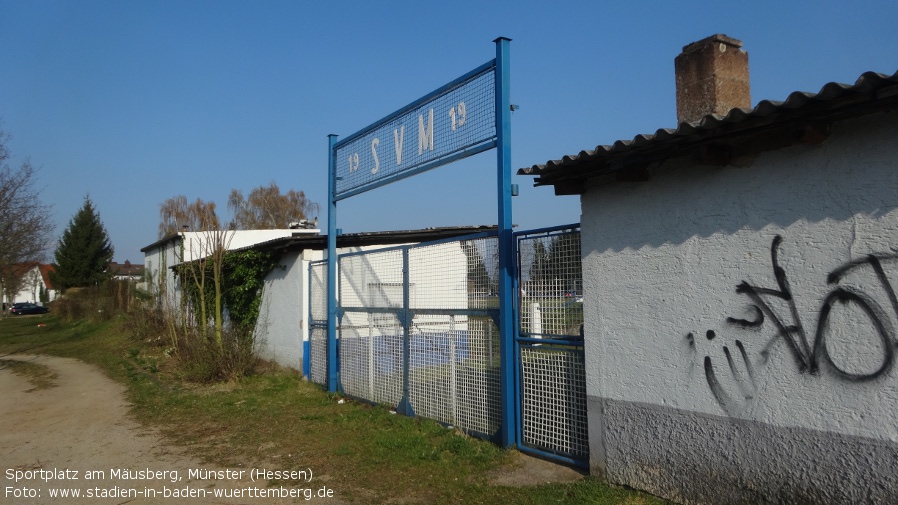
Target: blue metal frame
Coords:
[[548, 229], [507, 295], [507, 320], [520, 340], [332, 364], [477, 146]]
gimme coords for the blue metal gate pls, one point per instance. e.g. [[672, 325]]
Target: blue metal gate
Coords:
[[416, 330], [551, 375]]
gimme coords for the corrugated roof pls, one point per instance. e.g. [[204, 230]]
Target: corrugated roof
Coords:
[[870, 93], [319, 242]]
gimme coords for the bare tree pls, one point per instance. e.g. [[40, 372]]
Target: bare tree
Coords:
[[266, 208], [204, 254], [25, 223], [12, 281], [177, 213]]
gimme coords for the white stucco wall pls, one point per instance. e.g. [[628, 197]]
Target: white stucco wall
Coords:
[[668, 339], [283, 316]]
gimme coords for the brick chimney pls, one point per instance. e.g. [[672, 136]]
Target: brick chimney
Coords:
[[712, 78]]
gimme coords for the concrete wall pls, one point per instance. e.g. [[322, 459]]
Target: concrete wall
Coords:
[[158, 261], [740, 340], [283, 315]]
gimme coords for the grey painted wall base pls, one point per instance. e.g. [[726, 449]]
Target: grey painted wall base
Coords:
[[697, 458]]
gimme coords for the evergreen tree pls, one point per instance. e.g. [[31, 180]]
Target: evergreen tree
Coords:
[[84, 251]]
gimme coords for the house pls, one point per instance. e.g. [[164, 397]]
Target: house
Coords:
[[126, 271], [32, 284], [740, 276]]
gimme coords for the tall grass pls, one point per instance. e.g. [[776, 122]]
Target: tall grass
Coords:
[[199, 357]]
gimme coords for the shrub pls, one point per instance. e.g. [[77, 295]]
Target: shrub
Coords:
[[202, 360]]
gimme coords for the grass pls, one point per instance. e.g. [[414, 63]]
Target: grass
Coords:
[[39, 376], [277, 420]]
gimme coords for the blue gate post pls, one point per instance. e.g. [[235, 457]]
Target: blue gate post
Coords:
[[332, 371], [506, 245]]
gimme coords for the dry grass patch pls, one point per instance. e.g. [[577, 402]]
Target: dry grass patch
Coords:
[[39, 376]]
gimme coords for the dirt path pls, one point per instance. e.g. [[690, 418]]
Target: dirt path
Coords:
[[81, 424]]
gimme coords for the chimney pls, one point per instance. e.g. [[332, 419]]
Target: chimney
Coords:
[[712, 78]]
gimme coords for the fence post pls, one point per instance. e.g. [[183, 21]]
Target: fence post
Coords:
[[506, 245], [332, 370]]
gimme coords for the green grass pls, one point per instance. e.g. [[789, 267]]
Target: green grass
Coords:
[[276, 419]]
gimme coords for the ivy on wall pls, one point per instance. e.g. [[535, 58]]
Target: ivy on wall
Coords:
[[243, 277]]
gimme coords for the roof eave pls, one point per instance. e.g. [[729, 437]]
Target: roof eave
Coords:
[[718, 140]]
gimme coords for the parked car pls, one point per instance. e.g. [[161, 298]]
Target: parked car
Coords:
[[20, 309]]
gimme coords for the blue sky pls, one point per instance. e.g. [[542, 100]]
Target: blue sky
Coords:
[[134, 102]]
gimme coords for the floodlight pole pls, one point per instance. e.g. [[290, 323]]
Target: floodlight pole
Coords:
[[506, 245], [332, 374]]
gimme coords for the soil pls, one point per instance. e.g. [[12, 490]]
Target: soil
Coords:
[[81, 424]]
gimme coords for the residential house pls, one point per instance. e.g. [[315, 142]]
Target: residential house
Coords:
[[33, 284], [126, 271]]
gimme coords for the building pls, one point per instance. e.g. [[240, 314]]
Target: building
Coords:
[[33, 286], [126, 271], [188, 246], [740, 277], [282, 331]]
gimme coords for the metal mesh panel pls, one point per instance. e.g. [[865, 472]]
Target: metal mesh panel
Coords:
[[318, 322], [318, 291], [371, 294], [434, 347], [551, 284], [481, 257], [554, 400], [448, 123], [477, 379], [318, 351], [371, 356], [454, 376], [439, 273], [454, 358], [371, 280]]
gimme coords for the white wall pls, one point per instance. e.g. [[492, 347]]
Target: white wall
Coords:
[[32, 281], [687, 402], [283, 323], [157, 265], [198, 244]]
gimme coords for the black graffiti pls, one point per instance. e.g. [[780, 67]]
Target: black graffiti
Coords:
[[808, 354], [745, 323], [747, 386]]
